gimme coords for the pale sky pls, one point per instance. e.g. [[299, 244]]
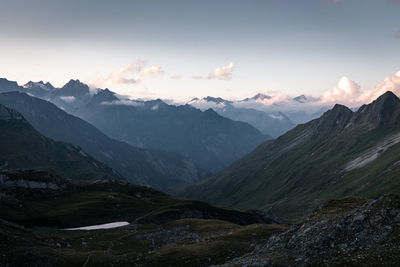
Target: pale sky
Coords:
[[182, 49]]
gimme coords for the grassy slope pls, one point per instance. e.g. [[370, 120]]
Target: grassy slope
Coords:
[[188, 242], [22, 147], [160, 234]]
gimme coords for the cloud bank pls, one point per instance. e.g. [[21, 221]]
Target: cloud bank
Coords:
[[348, 92]]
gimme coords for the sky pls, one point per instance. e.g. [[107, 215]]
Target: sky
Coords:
[[179, 49]]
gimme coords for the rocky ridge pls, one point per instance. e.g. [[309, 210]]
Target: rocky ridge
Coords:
[[337, 233]]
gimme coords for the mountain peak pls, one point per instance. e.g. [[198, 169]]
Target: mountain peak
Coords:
[[258, 96], [300, 98], [104, 96], [388, 96], [74, 88], [7, 86], [74, 83], [334, 120], [384, 111], [217, 100], [261, 96], [45, 86]]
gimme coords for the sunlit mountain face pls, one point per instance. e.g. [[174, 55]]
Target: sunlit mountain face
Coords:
[[199, 133]]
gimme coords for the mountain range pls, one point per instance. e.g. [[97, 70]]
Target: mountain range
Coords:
[[341, 153], [271, 123], [209, 140], [51, 186], [155, 168], [278, 108]]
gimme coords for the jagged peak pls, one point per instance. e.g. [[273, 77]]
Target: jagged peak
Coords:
[[75, 83], [384, 111], [300, 98], [261, 96], [214, 99], [105, 92], [40, 84], [387, 96], [381, 103], [334, 120]]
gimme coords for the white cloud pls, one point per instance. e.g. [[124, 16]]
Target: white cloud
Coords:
[[125, 102], [130, 74], [152, 71], [68, 99], [348, 92], [222, 73], [391, 83], [345, 92], [124, 75]]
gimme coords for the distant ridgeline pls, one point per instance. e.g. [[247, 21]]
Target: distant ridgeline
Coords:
[[206, 139]]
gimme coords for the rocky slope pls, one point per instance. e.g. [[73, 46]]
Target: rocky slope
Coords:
[[346, 232]]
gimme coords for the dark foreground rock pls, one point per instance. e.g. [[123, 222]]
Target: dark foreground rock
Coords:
[[337, 233]]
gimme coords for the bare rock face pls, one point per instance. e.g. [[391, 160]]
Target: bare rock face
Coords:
[[365, 235]]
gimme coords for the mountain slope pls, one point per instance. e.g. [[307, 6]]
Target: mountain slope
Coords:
[[158, 169], [208, 139], [22, 147], [339, 154]]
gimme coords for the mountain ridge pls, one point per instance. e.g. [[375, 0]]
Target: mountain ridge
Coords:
[[150, 167], [292, 174], [22, 147]]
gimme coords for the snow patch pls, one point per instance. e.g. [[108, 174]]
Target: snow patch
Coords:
[[373, 153], [276, 117], [99, 226], [123, 102], [68, 99]]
